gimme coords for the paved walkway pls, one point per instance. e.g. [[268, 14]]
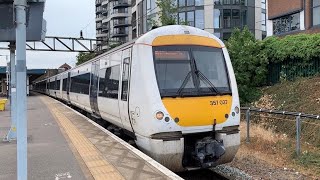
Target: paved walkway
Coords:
[[70, 146], [49, 153]]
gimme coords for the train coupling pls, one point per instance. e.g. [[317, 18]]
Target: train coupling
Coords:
[[208, 150]]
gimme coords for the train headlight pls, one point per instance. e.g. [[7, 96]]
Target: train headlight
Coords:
[[159, 115], [237, 110]]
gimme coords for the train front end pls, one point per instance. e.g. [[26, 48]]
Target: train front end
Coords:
[[196, 109]]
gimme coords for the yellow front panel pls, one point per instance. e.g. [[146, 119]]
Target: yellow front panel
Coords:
[[199, 111]]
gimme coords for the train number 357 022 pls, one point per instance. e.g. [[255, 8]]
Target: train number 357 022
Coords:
[[217, 102]]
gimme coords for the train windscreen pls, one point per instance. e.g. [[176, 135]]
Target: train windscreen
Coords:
[[191, 71]]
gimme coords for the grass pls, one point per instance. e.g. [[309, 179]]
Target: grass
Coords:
[[279, 132]]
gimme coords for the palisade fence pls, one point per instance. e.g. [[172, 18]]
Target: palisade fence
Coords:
[[291, 69], [297, 115]]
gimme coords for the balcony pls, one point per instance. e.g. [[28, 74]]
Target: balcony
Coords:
[[104, 3], [98, 2], [102, 35], [119, 34], [105, 28], [98, 10], [119, 23], [121, 4], [99, 26], [99, 18], [105, 11]]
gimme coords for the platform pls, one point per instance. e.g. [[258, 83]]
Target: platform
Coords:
[[64, 144]]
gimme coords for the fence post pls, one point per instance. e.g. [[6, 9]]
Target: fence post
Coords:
[[248, 125], [298, 133]]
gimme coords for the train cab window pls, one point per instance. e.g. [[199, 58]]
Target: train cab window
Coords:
[[125, 79], [190, 71], [109, 82]]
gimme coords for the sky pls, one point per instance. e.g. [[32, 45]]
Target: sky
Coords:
[[65, 18]]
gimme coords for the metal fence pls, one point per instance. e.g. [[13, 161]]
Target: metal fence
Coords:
[[297, 115], [291, 69]]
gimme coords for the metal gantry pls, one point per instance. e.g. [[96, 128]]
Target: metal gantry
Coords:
[[62, 44]]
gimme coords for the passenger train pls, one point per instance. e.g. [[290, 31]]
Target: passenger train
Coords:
[[173, 90]]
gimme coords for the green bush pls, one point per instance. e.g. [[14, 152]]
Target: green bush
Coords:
[[249, 63], [251, 57]]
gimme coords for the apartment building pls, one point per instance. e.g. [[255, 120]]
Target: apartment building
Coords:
[[124, 20], [293, 16]]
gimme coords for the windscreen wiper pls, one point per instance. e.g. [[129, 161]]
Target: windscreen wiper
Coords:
[[184, 83], [204, 78], [207, 81]]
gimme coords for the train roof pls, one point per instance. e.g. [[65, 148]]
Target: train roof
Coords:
[[150, 36]]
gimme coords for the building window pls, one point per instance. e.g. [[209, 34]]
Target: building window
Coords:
[[182, 3], [286, 24], [109, 82], [227, 18], [190, 2], [226, 2], [182, 17], [216, 18], [190, 18], [236, 18], [316, 12], [199, 2], [200, 19]]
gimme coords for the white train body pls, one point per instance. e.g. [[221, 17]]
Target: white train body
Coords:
[[173, 89]]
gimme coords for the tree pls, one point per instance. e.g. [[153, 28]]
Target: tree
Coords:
[[84, 57], [249, 62], [168, 12]]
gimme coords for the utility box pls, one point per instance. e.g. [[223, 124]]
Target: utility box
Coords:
[[36, 25]]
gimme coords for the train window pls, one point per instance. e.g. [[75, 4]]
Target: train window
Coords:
[[64, 84], [80, 84], [217, 73], [109, 82], [190, 62], [58, 85], [125, 78]]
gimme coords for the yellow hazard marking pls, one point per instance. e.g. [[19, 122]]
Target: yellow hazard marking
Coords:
[[14, 129], [94, 160]]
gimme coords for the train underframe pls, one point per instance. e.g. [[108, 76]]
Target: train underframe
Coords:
[[191, 151]]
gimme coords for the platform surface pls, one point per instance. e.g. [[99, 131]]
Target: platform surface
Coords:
[[63, 144]]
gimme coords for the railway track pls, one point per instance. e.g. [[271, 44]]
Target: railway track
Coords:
[[202, 174]]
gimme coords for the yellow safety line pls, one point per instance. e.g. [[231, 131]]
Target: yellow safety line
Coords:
[[97, 165]]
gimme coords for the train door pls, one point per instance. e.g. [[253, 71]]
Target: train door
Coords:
[[55, 86], [68, 86], [124, 91], [94, 88]]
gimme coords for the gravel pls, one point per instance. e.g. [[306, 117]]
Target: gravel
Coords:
[[231, 172]]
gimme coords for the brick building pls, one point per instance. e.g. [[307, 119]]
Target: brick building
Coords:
[[293, 16]]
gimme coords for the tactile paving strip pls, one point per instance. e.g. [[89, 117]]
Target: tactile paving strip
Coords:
[[97, 165]]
